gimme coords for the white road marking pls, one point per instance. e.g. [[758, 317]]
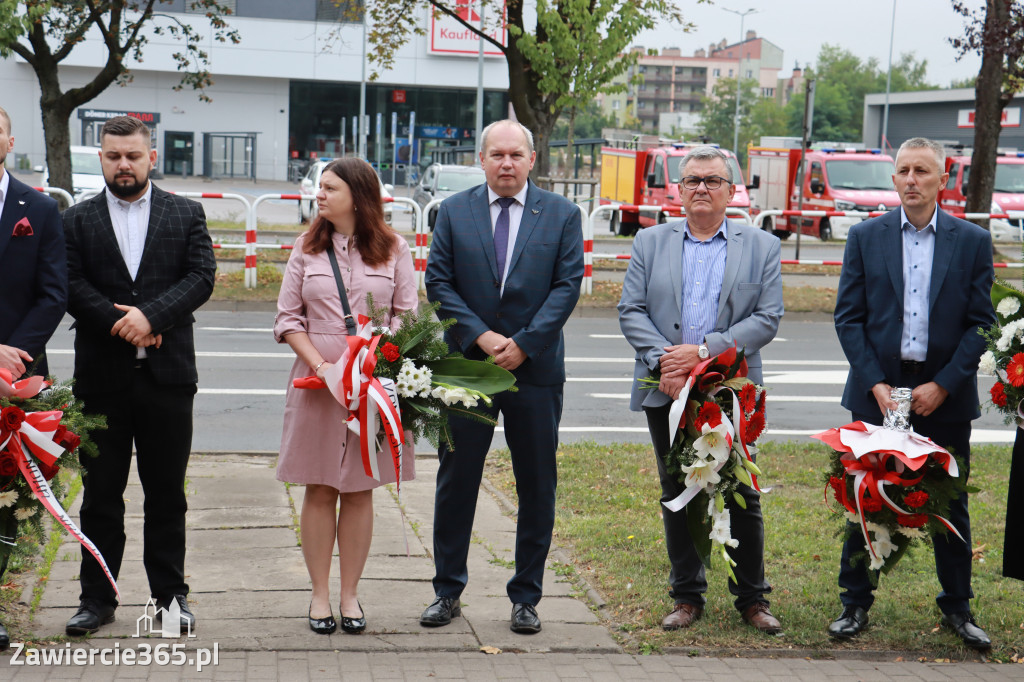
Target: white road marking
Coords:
[[242, 391], [623, 336], [261, 330], [809, 377], [772, 398]]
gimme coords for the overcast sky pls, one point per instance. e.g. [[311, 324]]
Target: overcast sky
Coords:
[[801, 27]]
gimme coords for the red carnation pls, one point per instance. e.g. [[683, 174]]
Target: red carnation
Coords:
[[837, 485], [1015, 370], [71, 441], [710, 414], [916, 500], [872, 505], [8, 465], [748, 398], [912, 520], [390, 352], [998, 392], [59, 434], [754, 428], [11, 418]]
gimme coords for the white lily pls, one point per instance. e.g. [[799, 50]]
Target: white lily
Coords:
[[701, 473], [715, 442]]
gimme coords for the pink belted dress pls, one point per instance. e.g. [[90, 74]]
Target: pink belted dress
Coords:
[[316, 445]]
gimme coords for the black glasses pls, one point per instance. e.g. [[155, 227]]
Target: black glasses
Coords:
[[711, 181]]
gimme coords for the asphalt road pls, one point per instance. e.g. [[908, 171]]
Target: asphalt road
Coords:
[[243, 374]]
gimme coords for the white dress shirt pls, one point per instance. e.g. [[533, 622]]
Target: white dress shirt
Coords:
[[515, 216], [131, 224], [5, 183]]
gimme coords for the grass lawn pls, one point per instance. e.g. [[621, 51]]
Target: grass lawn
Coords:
[[608, 520]]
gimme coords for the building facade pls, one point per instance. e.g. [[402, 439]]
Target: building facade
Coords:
[[668, 98], [290, 90], [943, 115]]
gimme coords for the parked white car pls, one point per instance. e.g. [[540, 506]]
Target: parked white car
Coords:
[[309, 185], [86, 172], [441, 181]]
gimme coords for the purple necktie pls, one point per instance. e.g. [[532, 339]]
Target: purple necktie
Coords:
[[501, 234]]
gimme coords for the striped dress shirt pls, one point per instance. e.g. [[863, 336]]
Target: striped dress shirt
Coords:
[[703, 270]]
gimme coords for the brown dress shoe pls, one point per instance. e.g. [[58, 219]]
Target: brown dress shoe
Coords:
[[758, 615], [682, 616]]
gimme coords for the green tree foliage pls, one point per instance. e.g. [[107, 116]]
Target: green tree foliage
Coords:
[[567, 54], [843, 80], [45, 32], [758, 115], [590, 120]]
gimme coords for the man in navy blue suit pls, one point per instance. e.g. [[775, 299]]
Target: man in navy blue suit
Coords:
[[506, 263], [913, 294], [33, 270]]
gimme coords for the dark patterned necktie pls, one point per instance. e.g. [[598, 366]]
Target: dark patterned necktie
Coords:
[[501, 234]]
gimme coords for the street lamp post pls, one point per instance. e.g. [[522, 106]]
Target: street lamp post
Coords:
[[739, 80], [888, 80]]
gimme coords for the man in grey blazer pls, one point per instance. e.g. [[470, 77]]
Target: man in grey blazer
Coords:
[[694, 288], [506, 263]]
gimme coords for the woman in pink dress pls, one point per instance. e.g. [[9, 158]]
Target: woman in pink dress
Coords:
[[317, 449]]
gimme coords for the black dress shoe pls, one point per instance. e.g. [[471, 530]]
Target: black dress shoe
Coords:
[[440, 612], [321, 626], [89, 617], [963, 625], [188, 619], [353, 626], [5, 640], [524, 619], [850, 622]]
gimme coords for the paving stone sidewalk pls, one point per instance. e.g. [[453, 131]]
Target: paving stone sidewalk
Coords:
[[250, 593]]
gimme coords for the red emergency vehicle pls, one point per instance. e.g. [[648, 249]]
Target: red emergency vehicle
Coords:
[[650, 177], [835, 179], [1007, 194]]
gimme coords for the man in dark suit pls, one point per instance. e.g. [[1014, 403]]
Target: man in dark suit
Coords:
[[721, 281], [914, 291], [506, 263], [33, 269], [33, 275], [140, 262]]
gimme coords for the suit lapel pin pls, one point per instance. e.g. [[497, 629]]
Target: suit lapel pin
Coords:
[[535, 211], [21, 203]]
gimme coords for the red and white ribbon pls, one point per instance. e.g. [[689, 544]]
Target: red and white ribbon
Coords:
[[34, 437]]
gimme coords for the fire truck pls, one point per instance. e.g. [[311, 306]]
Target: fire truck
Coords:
[[650, 177], [1007, 194], [836, 179]]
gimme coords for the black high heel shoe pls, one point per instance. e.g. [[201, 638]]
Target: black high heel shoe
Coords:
[[321, 626], [353, 626]]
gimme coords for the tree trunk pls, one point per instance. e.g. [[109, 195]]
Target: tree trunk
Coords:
[[989, 105], [57, 134]]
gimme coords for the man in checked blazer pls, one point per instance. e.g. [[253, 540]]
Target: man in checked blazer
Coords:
[[694, 288], [140, 262], [506, 263], [33, 269]]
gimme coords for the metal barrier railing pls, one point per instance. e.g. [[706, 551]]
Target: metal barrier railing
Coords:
[[62, 193]]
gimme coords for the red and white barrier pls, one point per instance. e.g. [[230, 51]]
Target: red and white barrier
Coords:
[[588, 234], [57, 191]]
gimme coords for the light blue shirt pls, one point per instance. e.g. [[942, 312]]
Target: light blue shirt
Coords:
[[703, 271], [918, 249]]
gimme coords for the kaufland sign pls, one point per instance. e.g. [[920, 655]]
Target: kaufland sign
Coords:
[[449, 36], [1010, 118]]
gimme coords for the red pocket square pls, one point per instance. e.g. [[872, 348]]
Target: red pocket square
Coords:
[[23, 228]]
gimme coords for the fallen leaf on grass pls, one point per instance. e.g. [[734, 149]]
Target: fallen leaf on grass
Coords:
[[978, 553], [490, 650]]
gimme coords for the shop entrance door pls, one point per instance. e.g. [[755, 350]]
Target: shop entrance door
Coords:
[[229, 155], [178, 153]]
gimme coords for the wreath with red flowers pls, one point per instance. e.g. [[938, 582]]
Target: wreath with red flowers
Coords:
[[926, 493]]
